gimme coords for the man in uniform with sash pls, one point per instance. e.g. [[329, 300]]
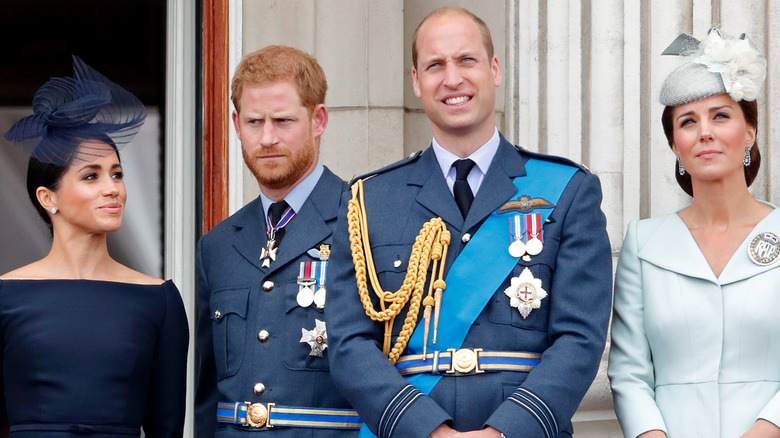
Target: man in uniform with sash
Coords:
[[262, 352], [474, 278]]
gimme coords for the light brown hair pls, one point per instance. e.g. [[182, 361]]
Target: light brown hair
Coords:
[[487, 40], [281, 63]]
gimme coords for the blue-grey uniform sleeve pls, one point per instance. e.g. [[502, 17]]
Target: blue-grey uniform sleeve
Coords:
[[165, 407], [206, 394], [386, 402], [581, 297]]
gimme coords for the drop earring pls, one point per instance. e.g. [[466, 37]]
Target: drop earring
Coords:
[[746, 161], [680, 168]]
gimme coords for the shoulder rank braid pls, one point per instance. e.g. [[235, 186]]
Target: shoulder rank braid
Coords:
[[430, 245]]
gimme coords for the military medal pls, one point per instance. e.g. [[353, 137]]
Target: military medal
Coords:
[[311, 284], [317, 338], [268, 254], [322, 276], [525, 293], [764, 249], [305, 295], [517, 247], [533, 230], [306, 280]]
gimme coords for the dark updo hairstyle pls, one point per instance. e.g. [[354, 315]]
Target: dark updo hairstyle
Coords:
[[44, 174], [750, 111]]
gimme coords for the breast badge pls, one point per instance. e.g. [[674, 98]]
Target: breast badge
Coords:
[[525, 204], [317, 338], [525, 293], [764, 249]]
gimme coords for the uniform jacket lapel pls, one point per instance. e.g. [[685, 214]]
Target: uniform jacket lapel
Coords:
[[498, 185], [307, 229], [250, 236], [434, 194]]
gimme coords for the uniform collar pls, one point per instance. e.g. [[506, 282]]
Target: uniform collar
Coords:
[[299, 193], [482, 157]]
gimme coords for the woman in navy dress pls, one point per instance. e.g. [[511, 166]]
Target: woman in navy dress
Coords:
[[88, 347]]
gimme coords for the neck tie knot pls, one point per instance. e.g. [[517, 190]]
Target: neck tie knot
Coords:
[[276, 210], [462, 169]]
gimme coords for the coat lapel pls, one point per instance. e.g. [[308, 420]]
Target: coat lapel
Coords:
[[671, 246], [497, 186], [308, 228], [434, 194], [250, 236], [305, 231], [741, 266]]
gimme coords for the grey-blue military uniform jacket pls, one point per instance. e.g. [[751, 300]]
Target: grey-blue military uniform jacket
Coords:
[[569, 329], [231, 359]]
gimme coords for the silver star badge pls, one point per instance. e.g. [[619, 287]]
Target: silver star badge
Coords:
[[317, 338], [525, 292]]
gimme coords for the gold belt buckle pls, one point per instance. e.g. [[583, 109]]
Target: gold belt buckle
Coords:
[[464, 361], [257, 415]]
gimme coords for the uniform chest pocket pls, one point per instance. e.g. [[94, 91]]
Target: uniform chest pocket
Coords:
[[228, 322], [296, 353]]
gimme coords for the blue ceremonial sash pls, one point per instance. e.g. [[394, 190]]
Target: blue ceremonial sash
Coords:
[[461, 305]]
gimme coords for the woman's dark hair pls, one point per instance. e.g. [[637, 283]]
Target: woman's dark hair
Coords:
[[42, 174], [750, 111]]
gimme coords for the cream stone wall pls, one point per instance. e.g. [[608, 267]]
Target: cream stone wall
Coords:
[[580, 79]]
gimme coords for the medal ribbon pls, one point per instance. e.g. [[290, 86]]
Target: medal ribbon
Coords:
[[285, 219], [516, 231], [323, 273], [533, 225]]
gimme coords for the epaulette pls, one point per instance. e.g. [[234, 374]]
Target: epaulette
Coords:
[[410, 159], [553, 158]]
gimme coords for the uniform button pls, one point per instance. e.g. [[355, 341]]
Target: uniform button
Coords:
[[217, 314], [268, 285], [397, 263], [262, 336], [465, 238], [259, 388]]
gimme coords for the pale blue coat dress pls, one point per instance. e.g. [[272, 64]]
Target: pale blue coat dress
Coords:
[[691, 354]]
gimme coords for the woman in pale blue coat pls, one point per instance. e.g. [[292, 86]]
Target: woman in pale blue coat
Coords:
[[696, 330]]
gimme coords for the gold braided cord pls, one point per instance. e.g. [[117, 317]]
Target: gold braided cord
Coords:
[[430, 244]]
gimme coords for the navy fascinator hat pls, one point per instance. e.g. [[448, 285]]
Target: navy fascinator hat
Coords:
[[68, 111]]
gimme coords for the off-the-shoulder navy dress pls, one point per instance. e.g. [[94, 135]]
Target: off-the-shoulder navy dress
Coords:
[[92, 358]]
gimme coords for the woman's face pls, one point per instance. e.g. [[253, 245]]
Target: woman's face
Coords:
[[710, 136], [92, 194]]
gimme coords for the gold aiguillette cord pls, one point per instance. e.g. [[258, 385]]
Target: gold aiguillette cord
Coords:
[[430, 245]]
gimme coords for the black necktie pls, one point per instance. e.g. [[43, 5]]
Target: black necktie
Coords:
[[275, 211], [461, 188]]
